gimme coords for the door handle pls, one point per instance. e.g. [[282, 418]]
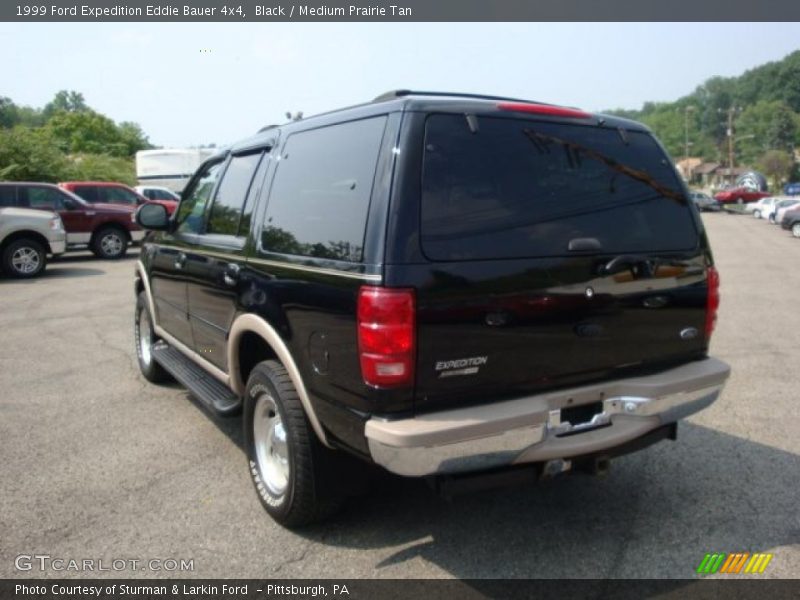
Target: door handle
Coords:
[[180, 260], [231, 274]]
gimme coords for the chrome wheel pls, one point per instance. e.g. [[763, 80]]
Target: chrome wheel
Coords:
[[111, 244], [26, 260], [796, 230], [144, 338], [271, 449], [757, 214]]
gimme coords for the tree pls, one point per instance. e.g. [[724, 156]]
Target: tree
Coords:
[[90, 132], [30, 154], [777, 166], [66, 101]]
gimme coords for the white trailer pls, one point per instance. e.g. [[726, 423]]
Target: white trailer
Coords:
[[170, 168]]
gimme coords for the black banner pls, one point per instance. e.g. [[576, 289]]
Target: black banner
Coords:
[[417, 589], [398, 10]]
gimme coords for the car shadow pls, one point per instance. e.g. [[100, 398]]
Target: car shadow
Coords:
[[55, 273], [85, 256], [654, 515]]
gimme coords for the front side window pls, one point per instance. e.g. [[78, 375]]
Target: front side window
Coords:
[[226, 212], [42, 198], [320, 196], [513, 188], [88, 193], [195, 200]]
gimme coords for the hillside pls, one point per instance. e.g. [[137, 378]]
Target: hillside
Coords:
[[764, 104]]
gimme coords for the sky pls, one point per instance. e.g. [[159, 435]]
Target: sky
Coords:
[[200, 83]]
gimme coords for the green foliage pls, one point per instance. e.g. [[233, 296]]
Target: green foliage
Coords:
[[101, 167], [766, 102], [31, 155], [65, 101], [66, 140], [776, 165]]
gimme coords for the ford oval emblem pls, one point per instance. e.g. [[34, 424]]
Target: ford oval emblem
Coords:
[[689, 333]]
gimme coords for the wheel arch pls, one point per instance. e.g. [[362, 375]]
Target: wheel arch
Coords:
[[244, 330], [24, 234], [110, 225]]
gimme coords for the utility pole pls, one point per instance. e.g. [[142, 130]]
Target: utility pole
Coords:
[[687, 110], [731, 112]]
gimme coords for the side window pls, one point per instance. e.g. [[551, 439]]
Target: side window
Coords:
[[44, 198], [320, 196], [8, 196], [195, 199], [88, 193], [226, 212], [115, 195]]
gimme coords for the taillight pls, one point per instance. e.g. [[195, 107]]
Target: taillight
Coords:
[[386, 335], [544, 109], [712, 300]]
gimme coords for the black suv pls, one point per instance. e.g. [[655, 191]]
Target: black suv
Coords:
[[441, 284]]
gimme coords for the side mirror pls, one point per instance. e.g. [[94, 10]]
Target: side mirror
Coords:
[[152, 216]]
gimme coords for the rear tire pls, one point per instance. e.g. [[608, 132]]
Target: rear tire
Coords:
[[110, 243], [24, 259], [294, 474], [757, 214], [145, 338]]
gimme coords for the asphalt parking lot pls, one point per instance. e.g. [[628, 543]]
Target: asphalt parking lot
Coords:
[[97, 463]]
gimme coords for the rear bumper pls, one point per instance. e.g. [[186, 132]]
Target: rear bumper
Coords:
[[530, 429]]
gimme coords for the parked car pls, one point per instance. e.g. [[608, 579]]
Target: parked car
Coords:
[[106, 229], [762, 208], [792, 189], [153, 192], [739, 195], [791, 221], [104, 192], [27, 236], [780, 208], [704, 202], [349, 302]]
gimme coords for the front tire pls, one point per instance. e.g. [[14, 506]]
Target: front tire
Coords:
[[293, 473], [24, 259], [796, 230], [757, 214], [145, 338], [110, 243]]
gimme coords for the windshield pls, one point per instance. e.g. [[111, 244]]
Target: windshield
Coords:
[[505, 188]]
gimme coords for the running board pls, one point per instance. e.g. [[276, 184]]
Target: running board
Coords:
[[212, 393]]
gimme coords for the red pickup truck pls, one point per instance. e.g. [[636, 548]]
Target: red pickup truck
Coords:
[[107, 229], [739, 195], [106, 192]]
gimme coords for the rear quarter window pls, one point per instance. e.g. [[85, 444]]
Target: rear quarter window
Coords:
[[320, 195], [522, 188]]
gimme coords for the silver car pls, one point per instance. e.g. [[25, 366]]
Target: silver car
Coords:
[[27, 236], [704, 202]]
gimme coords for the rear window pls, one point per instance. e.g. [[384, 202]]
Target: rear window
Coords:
[[512, 188]]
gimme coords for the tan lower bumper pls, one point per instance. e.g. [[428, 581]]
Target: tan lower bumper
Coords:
[[530, 429]]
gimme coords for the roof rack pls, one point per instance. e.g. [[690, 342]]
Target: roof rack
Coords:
[[393, 94]]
